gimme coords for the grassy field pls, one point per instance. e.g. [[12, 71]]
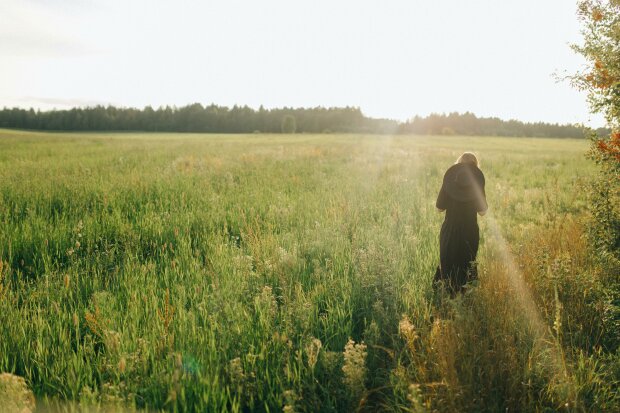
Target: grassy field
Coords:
[[190, 272]]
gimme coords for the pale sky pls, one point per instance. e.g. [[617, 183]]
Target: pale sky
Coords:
[[391, 58]]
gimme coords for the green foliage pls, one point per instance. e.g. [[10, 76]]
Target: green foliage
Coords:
[[196, 118], [469, 124], [242, 119], [601, 48]]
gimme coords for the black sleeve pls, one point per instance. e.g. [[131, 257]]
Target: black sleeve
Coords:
[[442, 199], [482, 203]]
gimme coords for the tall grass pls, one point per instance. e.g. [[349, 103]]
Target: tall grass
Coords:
[[268, 273]]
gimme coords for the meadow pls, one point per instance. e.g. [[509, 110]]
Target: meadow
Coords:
[[202, 272]]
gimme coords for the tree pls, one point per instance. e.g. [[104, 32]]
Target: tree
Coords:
[[289, 125], [243, 119], [601, 80]]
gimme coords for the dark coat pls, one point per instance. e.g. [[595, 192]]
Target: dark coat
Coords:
[[462, 196]]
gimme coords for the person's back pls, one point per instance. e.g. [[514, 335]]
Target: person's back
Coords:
[[461, 213], [462, 196]]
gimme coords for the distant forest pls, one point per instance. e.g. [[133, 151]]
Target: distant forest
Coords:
[[243, 119]]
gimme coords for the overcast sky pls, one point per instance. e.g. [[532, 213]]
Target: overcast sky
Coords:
[[392, 58]]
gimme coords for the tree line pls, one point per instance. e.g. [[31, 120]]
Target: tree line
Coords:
[[243, 119], [469, 124]]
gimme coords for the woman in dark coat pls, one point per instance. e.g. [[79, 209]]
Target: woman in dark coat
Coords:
[[462, 196]]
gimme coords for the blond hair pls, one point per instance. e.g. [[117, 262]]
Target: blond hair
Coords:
[[468, 157]]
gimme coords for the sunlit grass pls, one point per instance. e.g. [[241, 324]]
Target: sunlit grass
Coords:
[[269, 272]]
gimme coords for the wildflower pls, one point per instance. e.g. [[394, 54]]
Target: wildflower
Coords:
[[122, 364], [88, 395], [312, 350], [112, 340], [281, 338], [354, 368], [66, 281], [407, 330], [267, 301], [415, 398], [15, 394], [290, 398], [235, 371]]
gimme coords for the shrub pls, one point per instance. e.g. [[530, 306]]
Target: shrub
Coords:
[[601, 48]]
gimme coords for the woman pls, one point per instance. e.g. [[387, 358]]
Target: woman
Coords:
[[461, 196]]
